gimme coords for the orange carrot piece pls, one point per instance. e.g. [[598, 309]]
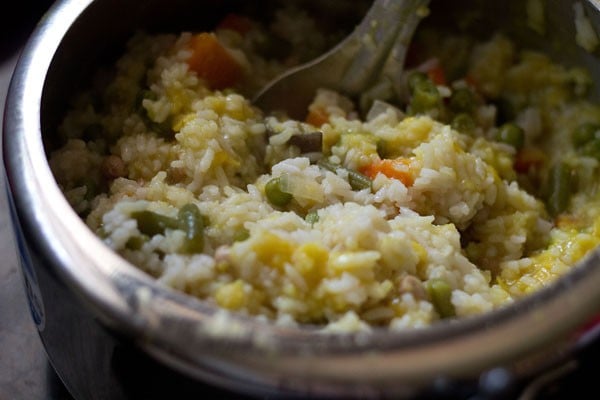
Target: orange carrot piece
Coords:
[[437, 75], [398, 168], [317, 116], [235, 22], [212, 62]]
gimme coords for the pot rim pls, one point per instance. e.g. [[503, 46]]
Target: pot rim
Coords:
[[189, 332]]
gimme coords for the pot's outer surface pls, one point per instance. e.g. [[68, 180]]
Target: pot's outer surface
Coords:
[[95, 312]]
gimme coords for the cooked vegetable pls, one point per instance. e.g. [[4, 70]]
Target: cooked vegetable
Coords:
[[424, 96], [191, 222], [511, 134], [189, 219], [317, 116], [462, 100], [213, 62], [558, 188], [416, 78], [463, 123], [308, 142], [440, 294], [274, 190], [136, 242], [398, 168], [241, 235], [312, 217], [357, 180], [151, 223], [437, 75]]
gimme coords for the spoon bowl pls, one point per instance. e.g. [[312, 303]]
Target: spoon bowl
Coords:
[[378, 44]]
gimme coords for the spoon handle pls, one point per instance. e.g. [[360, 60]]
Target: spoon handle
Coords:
[[351, 66], [385, 32]]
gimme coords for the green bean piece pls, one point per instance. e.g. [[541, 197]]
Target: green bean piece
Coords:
[[584, 134], [328, 165], [425, 97], [312, 217], [275, 194], [559, 188], [136, 242], [511, 134], [191, 222], [356, 180], [463, 123], [151, 223], [462, 100], [440, 294]]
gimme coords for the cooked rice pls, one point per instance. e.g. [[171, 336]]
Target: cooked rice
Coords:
[[336, 256]]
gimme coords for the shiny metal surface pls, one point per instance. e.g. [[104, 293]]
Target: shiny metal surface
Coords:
[[60, 256], [25, 372], [353, 66]]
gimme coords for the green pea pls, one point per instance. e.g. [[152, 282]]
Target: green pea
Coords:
[[559, 186], [312, 217], [191, 222], [584, 134], [274, 190], [440, 294], [512, 134], [425, 97], [463, 123], [462, 100], [151, 223], [241, 235], [415, 78]]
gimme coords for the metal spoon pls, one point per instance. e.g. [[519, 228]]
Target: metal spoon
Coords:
[[377, 45]]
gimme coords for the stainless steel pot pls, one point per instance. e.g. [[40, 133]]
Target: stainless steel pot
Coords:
[[111, 332]]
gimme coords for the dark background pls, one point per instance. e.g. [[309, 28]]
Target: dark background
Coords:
[[25, 373]]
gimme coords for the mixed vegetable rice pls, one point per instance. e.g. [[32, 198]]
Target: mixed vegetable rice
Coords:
[[470, 187]]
